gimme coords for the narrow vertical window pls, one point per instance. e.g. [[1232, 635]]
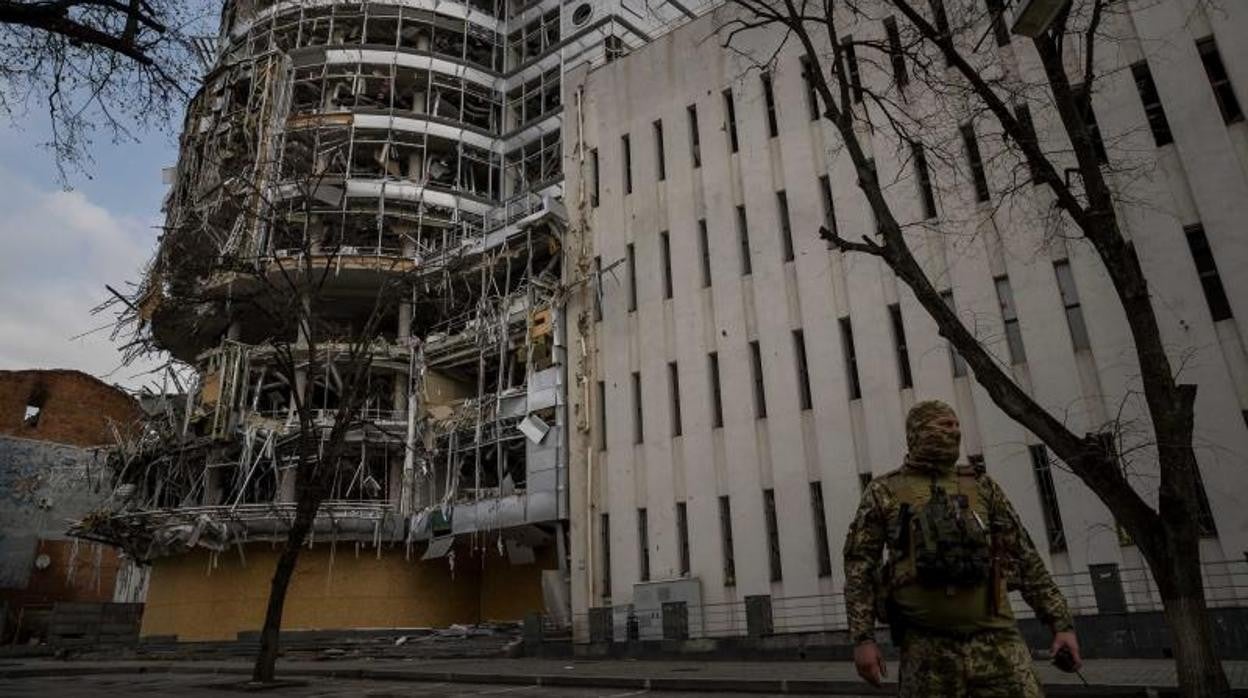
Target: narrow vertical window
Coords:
[[704, 252], [1083, 102], [822, 552], [673, 382], [639, 433], [975, 161], [659, 156], [900, 76], [959, 364], [1070, 301], [1048, 498], [730, 115], [665, 255], [602, 416], [643, 544], [631, 261], [1223, 90], [851, 358], [786, 228], [1009, 315], [725, 537], [829, 206], [851, 66], [1207, 268], [627, 159], [597, 290], [805, 399], [695, 140], [769, 100], [682, 537], [773, 535], [743, 237], [604, 536], [593, 173], [1153, 109], [1022, 113], [899, 343], [717, 402], [756, 380], [996, 15], [812, 97], [924, 178], [940, 17], [1204, 513]]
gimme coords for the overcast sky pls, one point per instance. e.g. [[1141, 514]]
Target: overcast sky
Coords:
[[59, 248]]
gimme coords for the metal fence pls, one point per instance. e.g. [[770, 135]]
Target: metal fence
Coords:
[[1102, 589]]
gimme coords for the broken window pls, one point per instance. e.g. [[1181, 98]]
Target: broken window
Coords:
[[34, 407]]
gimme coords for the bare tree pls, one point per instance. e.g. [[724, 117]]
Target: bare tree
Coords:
[[937, 49], [109, 65]]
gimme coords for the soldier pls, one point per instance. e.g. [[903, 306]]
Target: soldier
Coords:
[[955, 547]]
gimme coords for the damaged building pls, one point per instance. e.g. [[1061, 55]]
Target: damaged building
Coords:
[[56, 428], [407, 156]]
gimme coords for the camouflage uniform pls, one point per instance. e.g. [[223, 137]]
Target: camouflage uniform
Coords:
[[984, 655]]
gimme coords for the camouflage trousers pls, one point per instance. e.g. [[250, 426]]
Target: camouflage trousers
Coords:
[[990, 664]]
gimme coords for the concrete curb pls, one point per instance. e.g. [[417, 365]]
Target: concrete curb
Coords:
[[665, 683]]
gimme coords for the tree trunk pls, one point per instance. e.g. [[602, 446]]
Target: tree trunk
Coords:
[[266, 660], [1178, 577]]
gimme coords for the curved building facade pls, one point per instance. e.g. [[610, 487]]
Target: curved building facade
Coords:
[[405, 149]]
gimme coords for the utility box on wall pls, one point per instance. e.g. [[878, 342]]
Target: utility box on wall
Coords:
[[648, 600]]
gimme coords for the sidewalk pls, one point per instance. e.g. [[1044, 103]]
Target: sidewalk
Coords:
[[1105, 676]]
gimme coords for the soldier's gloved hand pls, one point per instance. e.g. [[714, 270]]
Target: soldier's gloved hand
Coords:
[[1066, 640], [869, 661]]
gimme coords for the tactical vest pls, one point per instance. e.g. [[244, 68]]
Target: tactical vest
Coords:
[[940, 538]]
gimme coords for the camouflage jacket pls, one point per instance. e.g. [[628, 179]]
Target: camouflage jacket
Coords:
[[1022, 567]]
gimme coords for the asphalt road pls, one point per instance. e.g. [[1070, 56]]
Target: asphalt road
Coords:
[[190, 685]]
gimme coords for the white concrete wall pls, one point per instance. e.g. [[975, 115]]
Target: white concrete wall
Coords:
[[1202, 177]]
